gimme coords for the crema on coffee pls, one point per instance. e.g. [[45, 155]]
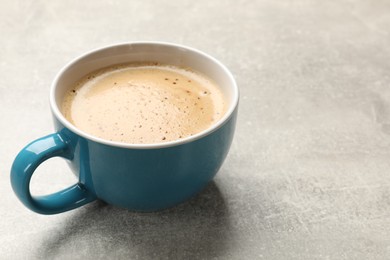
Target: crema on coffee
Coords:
[[143, 103]]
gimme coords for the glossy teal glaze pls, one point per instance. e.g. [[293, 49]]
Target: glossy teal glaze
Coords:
[[136, 179], [24, 166]]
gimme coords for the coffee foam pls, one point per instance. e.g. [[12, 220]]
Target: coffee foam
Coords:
[[143, 103]]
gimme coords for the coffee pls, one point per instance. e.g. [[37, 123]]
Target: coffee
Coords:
[[143, 103]]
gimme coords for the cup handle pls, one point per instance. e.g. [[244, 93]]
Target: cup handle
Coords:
[[24, 166]]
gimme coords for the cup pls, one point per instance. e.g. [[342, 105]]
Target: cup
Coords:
[[139, 177]]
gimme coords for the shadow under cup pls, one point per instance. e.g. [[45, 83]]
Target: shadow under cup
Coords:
[[140, 177]]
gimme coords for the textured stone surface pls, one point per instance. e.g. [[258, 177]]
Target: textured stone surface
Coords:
[[308, 175]]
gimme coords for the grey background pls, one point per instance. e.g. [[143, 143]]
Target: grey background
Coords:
[[308, 172]]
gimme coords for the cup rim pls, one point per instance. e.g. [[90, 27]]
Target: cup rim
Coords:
[[57, 113]]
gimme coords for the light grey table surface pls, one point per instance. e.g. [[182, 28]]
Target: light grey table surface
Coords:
[[308, 174]]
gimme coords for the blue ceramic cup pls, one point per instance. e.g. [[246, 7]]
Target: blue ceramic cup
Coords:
[[140, 177]]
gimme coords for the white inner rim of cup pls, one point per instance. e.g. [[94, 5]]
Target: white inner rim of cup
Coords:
[[182, 54]]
